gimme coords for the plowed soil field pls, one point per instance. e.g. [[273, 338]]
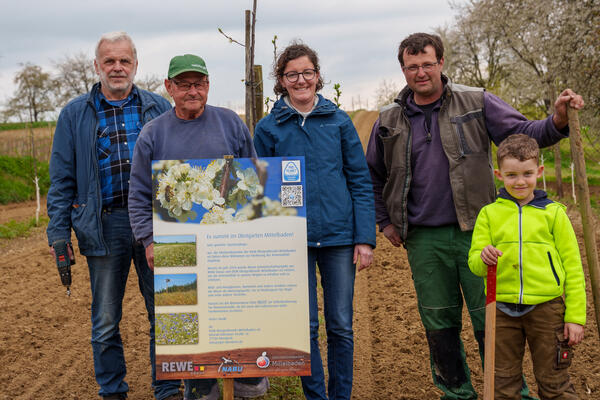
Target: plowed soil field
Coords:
[[45, 350]]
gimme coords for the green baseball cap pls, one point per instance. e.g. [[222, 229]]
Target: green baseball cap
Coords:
[[185, 63]]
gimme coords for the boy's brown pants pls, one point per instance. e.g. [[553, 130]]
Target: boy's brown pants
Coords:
[[543, 329]]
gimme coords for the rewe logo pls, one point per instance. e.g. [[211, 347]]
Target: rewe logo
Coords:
[[177, 366]]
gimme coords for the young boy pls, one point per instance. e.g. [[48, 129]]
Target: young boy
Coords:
[[533, 243]]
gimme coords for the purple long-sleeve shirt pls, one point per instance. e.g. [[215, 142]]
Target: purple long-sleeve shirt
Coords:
[[430, 200]]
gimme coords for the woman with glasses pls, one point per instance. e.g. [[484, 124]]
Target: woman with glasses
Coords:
[[339, 198]]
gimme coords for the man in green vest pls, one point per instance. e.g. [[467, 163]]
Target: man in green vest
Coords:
[[430, 160]]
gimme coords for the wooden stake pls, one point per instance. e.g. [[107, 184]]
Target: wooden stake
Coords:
[[489, 357], [583, 191], [543, 173], [249, 81], [35, 176], [227, 388], [258, 94]]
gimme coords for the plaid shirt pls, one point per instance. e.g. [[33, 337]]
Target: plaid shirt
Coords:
[[119, 124]]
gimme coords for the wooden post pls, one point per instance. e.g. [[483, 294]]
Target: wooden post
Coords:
[[589, 231], [249, 110], [227, 388], [51, 133], [258, 94], [35, 176], [489, 357], [543, 172], [253, 77]]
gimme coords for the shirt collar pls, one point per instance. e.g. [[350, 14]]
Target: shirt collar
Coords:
[[540, 198], [101, 99]]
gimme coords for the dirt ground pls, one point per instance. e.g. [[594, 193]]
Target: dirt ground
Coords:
[[46, 354], [45, 350]]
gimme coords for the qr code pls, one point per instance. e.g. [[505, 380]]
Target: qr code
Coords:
[[291, 195]]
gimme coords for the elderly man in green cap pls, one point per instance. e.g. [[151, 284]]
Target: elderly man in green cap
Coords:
[[191, 130]]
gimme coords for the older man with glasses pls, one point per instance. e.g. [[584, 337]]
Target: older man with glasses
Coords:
[[89, 183], [191, 130], [430, 159]]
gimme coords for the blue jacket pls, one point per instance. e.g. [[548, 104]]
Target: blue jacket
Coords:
[[339, 194], [74, 198]]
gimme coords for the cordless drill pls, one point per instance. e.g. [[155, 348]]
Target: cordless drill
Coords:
[[64, 262]]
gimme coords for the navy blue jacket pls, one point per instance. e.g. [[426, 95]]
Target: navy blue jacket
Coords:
[[74, 198], [339, 196]]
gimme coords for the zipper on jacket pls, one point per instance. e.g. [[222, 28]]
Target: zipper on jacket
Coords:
[[520, 253], [408, 178], [553, 269], [97, 174], [453, 133]]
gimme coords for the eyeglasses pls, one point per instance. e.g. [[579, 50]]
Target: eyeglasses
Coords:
[[307, 74], [185, 86], [413, 69]]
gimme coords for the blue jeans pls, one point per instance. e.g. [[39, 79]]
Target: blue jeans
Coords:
[[108, 277], [337, 279]]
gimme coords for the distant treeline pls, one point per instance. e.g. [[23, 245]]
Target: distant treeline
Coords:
[[179, 288], [11, 126]]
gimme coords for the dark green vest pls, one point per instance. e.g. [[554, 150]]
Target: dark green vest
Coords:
[[465, 142]]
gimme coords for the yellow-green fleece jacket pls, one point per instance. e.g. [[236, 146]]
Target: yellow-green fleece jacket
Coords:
[[540, 255]]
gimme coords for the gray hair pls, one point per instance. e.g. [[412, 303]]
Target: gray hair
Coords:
[[113, 37]]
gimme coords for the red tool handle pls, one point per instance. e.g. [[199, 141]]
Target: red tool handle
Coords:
[[491, 284]]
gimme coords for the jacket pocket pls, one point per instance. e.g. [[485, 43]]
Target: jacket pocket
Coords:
[[470, 133], [395, 150], [553, 269], [82, 220]]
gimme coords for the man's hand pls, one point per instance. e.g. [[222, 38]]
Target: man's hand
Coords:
[[150, 256], [573, 332], [489, 255], [365, 252], [566, 98], [69, 250], [392, 235]]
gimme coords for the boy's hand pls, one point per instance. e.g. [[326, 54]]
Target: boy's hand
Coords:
[[573, 332], [489, 255]]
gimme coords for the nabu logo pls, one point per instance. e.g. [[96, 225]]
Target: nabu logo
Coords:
[[229, 366]]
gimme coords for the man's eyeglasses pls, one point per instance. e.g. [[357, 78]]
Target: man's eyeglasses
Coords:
[[185, 86], [427, 67], [307, 74]]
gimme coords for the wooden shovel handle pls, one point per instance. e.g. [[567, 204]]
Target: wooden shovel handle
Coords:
[[489, 359], [491, 284]]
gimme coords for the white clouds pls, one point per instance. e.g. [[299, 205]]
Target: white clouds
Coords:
[[356, 40]]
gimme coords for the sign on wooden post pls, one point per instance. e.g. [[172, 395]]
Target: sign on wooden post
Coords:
[[230, 281]]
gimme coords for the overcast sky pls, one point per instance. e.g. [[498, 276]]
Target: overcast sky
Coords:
[[356, 40]]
